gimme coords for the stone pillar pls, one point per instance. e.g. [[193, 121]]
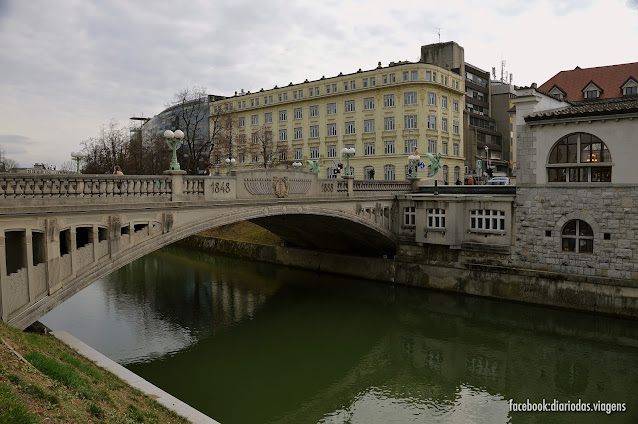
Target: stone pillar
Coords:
[[177, 184], [28, 239], [350, 180], [115, 225], [4, 312], [52, 252], [414, 184], [72, 251], [95, 242]]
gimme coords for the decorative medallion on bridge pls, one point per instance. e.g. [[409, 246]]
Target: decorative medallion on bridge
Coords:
[[280, 186]]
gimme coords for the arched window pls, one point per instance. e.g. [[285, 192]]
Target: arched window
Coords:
[[457, 173], [577, 236], [445, 174], [368, 173], [579, 157], [389, 172]]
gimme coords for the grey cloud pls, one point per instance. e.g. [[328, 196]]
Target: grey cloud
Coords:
[[633, 4]]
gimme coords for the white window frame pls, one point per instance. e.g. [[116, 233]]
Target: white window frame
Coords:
[[368, 103], [314, 152], [487, 221], [331, 130], [369, 148], [283, 115], [314, 131], [409, 216], [298, 133], [351, 128], [298, 153], [409, 98], [331, 151], [410, 122], [331, 109], [298, 113], [368, 126], [389, 147], [349, 106], [436, 218], [389, 124], [388, 100]]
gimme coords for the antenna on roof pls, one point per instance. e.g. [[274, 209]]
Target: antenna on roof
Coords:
[[439, 32]]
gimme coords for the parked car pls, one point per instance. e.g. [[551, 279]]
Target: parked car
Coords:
[[499, 181]]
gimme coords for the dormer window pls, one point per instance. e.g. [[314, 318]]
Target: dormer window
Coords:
[[592, 91], [630, 87], [557, 93]]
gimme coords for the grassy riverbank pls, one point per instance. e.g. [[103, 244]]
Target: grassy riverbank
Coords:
[[246, 232], [42, 380]]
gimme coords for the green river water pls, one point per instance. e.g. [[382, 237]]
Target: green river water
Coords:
[[246, 342]]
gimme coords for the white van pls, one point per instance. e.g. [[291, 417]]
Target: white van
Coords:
[[499, 181]]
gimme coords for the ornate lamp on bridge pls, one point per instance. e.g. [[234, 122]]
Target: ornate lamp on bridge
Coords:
[[230, 162], [174, 141], [413, 163], [347, 153], [296, 165], [77, 158]]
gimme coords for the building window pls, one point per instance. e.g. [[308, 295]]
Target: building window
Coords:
[[579, 157], [436, 218], [444, 148], [310, 92], [409, 98], [428, 75], [331, 130], [331, 172], [373, 81], [349, 105], [388, 100], [444, 102], [254, 120], [298, 113], [314, 152], [365, 83], [368, 173], [270, 99], [314, 131], [283, 135], [298, 133], [578, 237], [368, 103], [445, 174], [444, 124], [368, 149], [255, 139], [455, 127], [327, 88], [457, 173], [352, 85], [591, 94], [368, 126], [406, 76], [298, 153], [294, 95], [388, 123], [268, 117], [432, 146], [431, 98], [283, 115], [242, 158], [630, 91], [316, 91], [431, 122], [332, 151], [285, 97], [388, 147], [389, 172], [331, 109], [314, 111], [487, 220], [410, 122], [409, 216], [242, 121], [350, 127], [384, 79], [415, 75], [410, 147], [455, 105], [283, 155], [334, 87], [455, 149], [255, 157], [268, 136], [345, 86], [393, 78]]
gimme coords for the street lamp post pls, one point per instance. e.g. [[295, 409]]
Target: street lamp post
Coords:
[[347, 153], [174, 141], [78, 157], [413, 163], [487, 161], [230, 162]]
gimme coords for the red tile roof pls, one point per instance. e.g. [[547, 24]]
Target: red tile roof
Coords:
[[609, 78]]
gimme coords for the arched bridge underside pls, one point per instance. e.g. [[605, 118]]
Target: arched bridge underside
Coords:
[[53, 249]]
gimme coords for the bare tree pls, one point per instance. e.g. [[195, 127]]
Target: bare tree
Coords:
[[6, 164], [192, 112], [271, 153], [107, 150], [227, 143]]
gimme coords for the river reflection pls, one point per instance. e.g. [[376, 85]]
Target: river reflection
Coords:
[[254, 343]]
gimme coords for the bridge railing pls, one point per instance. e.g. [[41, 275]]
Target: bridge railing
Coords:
[[16, 186], [40, 189]]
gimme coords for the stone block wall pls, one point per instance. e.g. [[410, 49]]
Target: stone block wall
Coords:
[[611, 211]]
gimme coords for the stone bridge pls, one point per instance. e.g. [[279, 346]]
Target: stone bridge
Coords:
[[58, 234]]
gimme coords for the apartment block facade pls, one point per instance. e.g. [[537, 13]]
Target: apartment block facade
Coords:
[[386, 114]]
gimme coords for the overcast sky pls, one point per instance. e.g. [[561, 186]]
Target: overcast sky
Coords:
[[69, 66]]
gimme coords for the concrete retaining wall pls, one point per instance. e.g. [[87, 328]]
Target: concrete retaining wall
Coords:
[[411, 267]]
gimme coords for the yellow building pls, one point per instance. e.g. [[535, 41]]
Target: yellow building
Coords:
[[384, 113]]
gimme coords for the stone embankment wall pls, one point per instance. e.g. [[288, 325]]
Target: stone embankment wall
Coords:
[[440, 268]]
